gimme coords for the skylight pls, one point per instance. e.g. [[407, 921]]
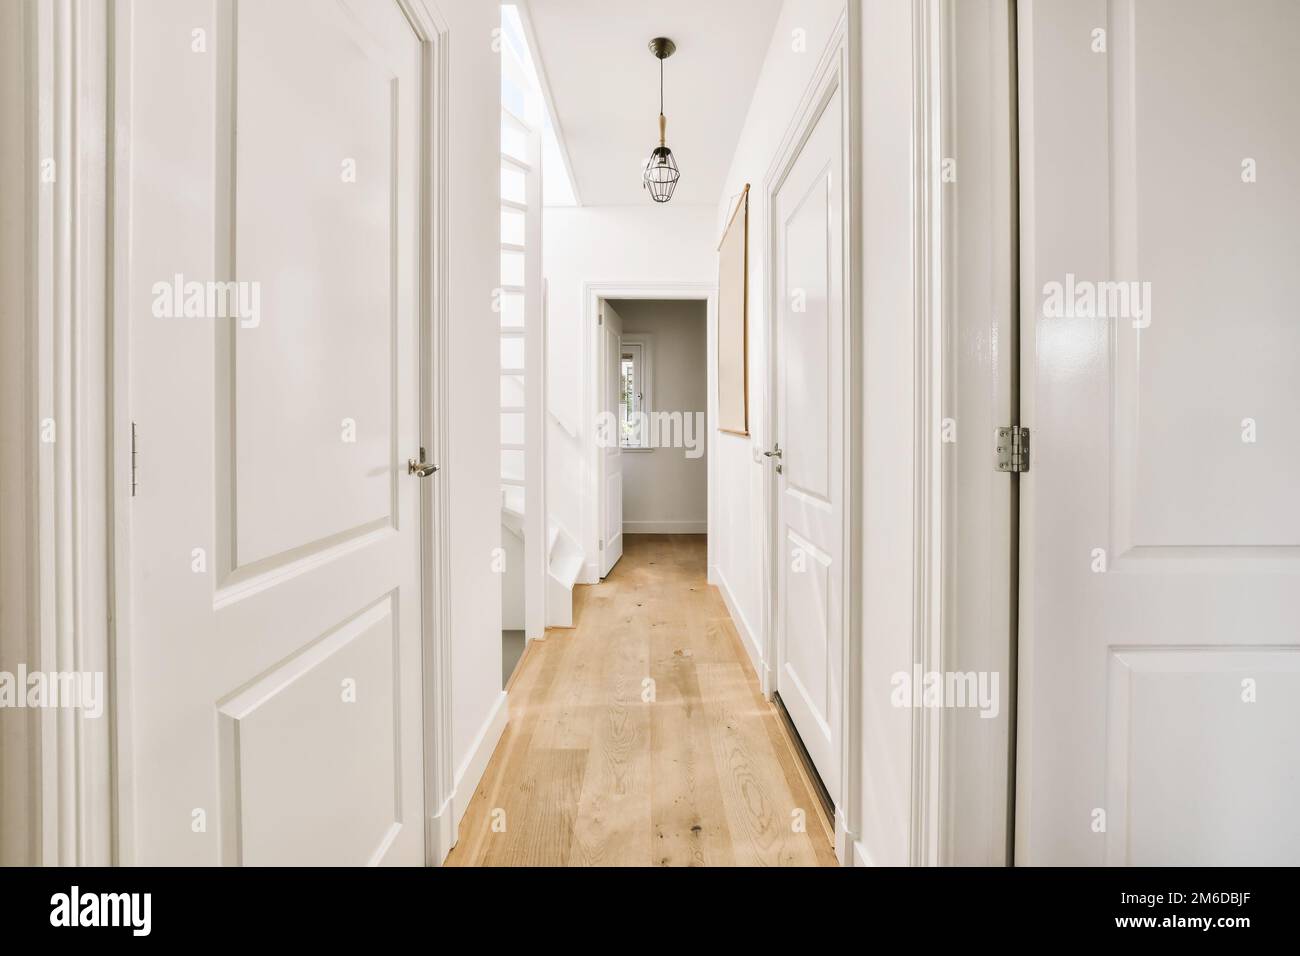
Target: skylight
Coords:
[[523, 95]]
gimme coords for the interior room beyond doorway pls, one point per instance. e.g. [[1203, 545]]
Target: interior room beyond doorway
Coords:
[[662, 426]]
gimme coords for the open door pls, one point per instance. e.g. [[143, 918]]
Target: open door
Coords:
[[611, 437]]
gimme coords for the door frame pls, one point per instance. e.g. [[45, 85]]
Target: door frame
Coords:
[[974, 69], [57, 553], [79, 808], [594, 492], [838, 70], [434, 34]]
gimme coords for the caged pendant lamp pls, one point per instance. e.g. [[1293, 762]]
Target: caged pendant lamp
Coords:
[[661, 172]]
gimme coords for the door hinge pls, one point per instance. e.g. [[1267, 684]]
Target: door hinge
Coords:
[[1013, 449], [135, 467], [602, 544], [600, 318]]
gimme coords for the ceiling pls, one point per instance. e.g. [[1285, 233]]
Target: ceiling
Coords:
[[604, 84]]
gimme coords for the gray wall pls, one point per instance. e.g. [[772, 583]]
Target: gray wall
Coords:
[[664, 491]]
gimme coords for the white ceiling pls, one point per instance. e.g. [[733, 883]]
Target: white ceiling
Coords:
[[604, 83]]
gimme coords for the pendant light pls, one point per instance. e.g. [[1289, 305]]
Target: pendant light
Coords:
[[661, 173]]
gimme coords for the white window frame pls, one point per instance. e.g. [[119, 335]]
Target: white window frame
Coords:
[[641, 343]]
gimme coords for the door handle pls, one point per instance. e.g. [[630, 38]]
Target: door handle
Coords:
[[420, 468], [775, 453]]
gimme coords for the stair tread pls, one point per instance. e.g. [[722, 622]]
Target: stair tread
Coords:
[[566, 568], [564, 562]]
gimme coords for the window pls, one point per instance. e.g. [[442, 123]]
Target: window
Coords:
[[521, 94], [634, 395]]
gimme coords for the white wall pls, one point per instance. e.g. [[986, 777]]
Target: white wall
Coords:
[[888, 282], [629, 245], [738, 544], [473, 468], [664, 491]]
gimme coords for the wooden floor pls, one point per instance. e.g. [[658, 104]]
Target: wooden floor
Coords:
[[601, 767]]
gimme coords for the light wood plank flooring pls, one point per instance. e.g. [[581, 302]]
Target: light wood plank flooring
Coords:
[[601, 767]]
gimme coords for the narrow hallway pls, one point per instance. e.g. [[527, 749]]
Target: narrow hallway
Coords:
[[600, 766]]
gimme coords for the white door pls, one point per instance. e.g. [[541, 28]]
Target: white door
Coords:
[[272, 666], [611, 458], [808, 421], [1159, 706]]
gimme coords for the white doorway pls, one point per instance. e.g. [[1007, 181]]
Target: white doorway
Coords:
[[665, 492], [659, 407]]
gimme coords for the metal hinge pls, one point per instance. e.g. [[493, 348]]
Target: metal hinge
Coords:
[[602, 544], [1013, 449], [600, 317], [135, 451]]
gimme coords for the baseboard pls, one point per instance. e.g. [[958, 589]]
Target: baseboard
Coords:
[[442, 834], [665, 527], [748, 636], [471, 771]]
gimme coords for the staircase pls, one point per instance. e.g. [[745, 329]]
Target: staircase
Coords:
[[519, 305], [563, 565], [512, 543]]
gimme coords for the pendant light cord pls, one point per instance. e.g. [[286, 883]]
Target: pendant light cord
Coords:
[[662, 142]]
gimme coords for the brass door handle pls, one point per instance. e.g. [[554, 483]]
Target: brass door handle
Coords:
[[420, 468]]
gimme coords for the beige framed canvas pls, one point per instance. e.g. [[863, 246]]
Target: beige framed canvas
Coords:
[[733, 321]]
